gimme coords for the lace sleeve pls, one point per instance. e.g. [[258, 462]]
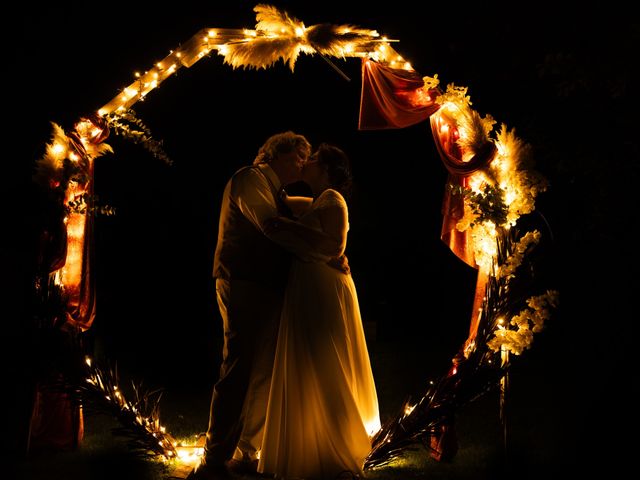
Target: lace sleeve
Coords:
[[331, 198]]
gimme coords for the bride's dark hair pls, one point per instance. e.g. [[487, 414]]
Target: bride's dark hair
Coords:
[[338, 166]]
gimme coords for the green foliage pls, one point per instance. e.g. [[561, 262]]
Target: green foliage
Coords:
[[487, 205], [86, 203], [129, 126]]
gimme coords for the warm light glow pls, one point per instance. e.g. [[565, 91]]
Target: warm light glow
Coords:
[[484, 242], [190, 455], [213, 33], [380, 53], [477, 181], [372, 427], [299, 31], [469, 348], [71, 273], [58, 149], [420, 97], [408, 409], [95, 131]]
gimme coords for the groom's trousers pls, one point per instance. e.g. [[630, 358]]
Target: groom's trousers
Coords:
[[250, 314]]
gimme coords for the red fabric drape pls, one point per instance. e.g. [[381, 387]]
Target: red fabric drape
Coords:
[[57, 421], [445, 136], [393, 98], [81, 304]]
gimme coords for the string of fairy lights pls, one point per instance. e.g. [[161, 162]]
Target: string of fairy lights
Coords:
[[278, 36]]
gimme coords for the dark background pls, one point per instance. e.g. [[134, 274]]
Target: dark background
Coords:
[[564, 78]]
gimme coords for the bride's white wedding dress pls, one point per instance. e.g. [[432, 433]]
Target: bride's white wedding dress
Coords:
[[323, 405]]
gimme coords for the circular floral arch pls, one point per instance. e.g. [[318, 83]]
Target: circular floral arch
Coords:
[[490, 186]]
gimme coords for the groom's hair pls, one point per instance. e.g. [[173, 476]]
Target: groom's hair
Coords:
[[285, 142]]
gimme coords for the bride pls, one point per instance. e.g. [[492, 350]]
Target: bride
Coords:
[[323, 406]]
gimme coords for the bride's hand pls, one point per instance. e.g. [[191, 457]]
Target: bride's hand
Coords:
[[340, 263]]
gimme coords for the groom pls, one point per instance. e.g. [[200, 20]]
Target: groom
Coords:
[[251, 273]]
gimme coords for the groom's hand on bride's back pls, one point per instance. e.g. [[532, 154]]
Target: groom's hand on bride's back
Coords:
[[340, 263]]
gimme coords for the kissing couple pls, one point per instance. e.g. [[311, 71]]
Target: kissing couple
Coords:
[[295, 397]]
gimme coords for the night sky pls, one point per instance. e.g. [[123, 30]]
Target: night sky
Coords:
[[562, 78]]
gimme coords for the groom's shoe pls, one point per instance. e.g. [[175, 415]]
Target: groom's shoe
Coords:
[[243, 467], [205, 471]]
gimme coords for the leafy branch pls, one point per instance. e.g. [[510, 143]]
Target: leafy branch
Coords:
[[126, 124], [85, 203], [487, 205]]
